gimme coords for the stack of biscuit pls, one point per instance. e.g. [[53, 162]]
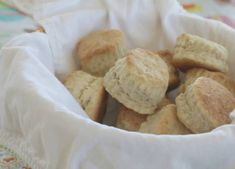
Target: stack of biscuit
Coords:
[[206, 98], [96, 54], [140, 80]]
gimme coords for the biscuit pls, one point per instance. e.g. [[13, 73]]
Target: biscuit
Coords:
[[89, 93], [165, 101], [139, 81], [174, 79], [193, 74], [98, 51], [130, 120], [164, 121], [192, 51], [205, 105]]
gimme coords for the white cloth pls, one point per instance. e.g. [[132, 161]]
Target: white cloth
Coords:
[[36, 105]]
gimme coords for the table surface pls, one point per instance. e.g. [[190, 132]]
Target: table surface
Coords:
[[222, 10], [13, 22]]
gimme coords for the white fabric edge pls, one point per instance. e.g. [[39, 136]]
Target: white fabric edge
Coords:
[[22, 149]]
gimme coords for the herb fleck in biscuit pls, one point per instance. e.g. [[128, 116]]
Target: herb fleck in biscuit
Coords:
[[139, 81], [193, 51], [89, 93]]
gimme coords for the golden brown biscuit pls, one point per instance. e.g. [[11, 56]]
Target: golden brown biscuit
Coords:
[[130, 120], [174, 80], [89, 93], [98, 51], [205, 105], [193, 74], [192, 51], [139, 81], [164, 121]]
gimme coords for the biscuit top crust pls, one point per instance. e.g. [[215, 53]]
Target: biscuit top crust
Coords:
[[129, 116], [190, 42], [213, 99], [99, 42], [148, 66]]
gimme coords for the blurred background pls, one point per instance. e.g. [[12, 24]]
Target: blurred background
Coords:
[[14, 22]]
